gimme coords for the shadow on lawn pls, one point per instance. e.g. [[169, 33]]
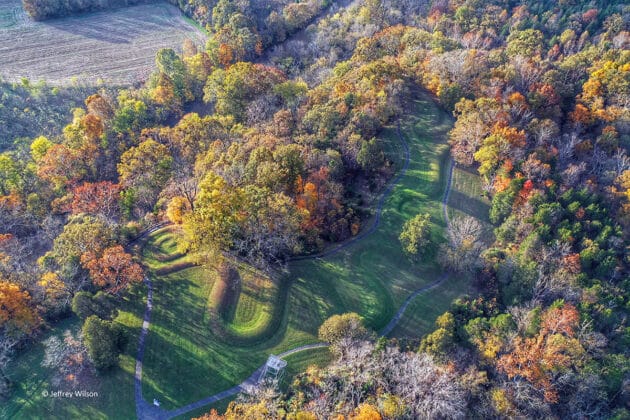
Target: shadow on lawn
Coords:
[[471, 206], [163, 370], [174, 268], [273, 332]]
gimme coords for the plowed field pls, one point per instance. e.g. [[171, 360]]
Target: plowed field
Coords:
[[116, 46]]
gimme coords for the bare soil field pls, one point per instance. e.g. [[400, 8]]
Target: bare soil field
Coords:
[[115, 47]]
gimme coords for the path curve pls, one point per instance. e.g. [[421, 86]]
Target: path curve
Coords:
[[145, 410]]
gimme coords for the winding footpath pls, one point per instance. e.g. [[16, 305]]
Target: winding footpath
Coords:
[[146, 410], [392, 324], [379, 208]]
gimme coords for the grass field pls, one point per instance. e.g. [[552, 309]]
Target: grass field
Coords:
[[297, 363], [116, 46], [467, 199], [187, 359], [115, 388]]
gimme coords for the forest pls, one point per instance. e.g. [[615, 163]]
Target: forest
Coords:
[[280, 160]]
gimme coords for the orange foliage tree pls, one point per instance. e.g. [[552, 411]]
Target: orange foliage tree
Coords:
[[114, 270], [539, 359], [61, 165], [226, 55], [96, 198], [17, 316]]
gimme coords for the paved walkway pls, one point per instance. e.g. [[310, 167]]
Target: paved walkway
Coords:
[[145, 410]]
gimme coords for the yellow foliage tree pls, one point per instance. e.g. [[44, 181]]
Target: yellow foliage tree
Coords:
[[177, 208], [17, 316], [366, 412]]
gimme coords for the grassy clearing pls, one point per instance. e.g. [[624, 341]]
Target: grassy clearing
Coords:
[[115, 387], [467, 199], [116, 46], [255, 310], [419, 319], [297, 363], [186, 360]]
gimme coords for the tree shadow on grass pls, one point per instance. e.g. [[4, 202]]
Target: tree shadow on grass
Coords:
[[472, 206], [270, 333], [174, 268], [227, 308], [177, 375]]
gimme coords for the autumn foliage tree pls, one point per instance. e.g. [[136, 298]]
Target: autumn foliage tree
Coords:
[[542, 358], [18, 318], [61, 165], [337, 328], [96, 198], [144, 171], [415, 234], [231, 89], [113, 270], [82, 234]]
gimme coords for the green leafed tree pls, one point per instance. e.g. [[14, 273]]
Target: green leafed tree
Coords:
[[370, 156], [169, 63], [102, 339], [415, 235], [145, 169]]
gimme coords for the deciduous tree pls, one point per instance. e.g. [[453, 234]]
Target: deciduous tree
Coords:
[[114, 269], [145, 169], [415, 235], [344, 327], [553, 350], [102, 339], [96, 198]]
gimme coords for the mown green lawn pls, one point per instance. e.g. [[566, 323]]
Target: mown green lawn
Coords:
[[467, 199], [419, 318], [297, 363], [186, 358], [115, 387]]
